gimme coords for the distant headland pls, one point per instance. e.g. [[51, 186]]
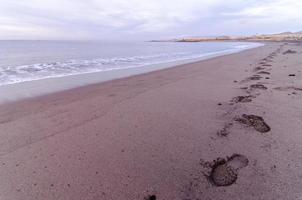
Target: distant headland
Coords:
[[285, 36]]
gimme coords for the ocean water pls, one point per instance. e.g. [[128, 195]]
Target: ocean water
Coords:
[[22, 61]]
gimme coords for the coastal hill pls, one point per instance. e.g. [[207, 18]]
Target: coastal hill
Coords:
[[285, 36]]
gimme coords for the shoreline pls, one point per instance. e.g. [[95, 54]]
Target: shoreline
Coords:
[[157, 134], [33, 88]]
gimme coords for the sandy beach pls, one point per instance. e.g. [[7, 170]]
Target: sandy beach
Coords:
[[223, 128]]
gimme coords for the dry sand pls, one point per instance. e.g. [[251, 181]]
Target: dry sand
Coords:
[[158, 134]]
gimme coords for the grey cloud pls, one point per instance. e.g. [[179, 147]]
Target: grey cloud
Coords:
[[142, 19]]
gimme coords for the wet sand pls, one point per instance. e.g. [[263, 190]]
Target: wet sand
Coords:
[[223, 128]]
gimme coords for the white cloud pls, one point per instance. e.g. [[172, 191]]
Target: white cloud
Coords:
[[275, 11]]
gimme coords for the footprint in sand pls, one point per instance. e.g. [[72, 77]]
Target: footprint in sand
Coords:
[[288, 88], [254, 77], [111, 95], [267, 65], [258, 86], [262, 62], [258, 68], [267, 59], [243, 99], [224, 172], [255, 121], [251, 78], [289, 52], [264, 72], [150, 197]]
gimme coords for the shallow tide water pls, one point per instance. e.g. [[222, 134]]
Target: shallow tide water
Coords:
[[34, 68], [32, 60]]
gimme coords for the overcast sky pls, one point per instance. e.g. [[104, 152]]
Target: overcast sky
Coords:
[[145, 19]]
